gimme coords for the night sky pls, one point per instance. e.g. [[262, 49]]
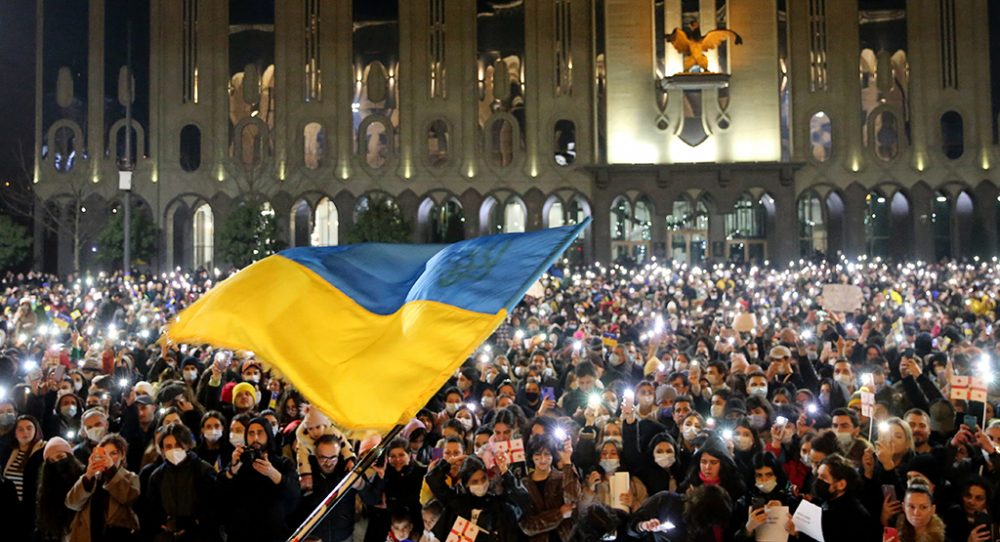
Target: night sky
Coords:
[[17, 86]]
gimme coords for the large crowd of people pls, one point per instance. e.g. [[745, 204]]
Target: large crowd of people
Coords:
[[660, 402]]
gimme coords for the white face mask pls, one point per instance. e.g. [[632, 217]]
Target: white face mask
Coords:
[[609, 465], [237, 439], [212, 435], [717, 411], [844, 379], [844, 439], [479, 489], [77, 385], [252, 378], [95, 434], [689, 432], [760, 391], [175, 455], [665, 460], [190, 375], [645, 401], [488, 401], [768, 486], [466, 423], [69, 411], [742, 442], [451, 408]]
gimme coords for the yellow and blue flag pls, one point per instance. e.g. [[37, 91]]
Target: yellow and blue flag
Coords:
[[369, 332]]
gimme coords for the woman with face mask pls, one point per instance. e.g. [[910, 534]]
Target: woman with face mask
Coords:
[[59, 472], [179, 501], [213, 445], [597, 483], [20, 466], [107, 490], [746, 444], [770, 488], [395, 486], [498, 510], [554, 489]]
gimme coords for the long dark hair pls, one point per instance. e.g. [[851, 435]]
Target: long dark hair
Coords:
[[729, 475], [54, 482]]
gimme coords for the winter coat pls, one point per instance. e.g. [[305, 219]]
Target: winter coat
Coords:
[[123, 490], [544, 516], [498, 513], [183, 498]]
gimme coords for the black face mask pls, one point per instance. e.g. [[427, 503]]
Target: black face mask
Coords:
[[821, 489], [531, 396], [63, 465]]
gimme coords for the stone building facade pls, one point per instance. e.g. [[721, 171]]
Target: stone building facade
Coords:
[[868, 130]]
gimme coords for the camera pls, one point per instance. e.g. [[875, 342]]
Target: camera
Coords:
[[250, 455]]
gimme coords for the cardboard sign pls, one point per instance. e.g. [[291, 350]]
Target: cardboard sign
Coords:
[[842, 297], [867, 403], [619, 484]]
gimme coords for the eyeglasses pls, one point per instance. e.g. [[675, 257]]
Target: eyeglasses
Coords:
[[326, 458]]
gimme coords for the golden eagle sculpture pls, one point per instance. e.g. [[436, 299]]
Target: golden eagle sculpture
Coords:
[[693, 46]]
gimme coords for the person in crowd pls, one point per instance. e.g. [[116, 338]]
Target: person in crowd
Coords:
[[836, 486], [597, 481], [330, 468], [703, 514], [21, 467], [182, 500], [396, 487], [314, 425], [771, 488], [554, 488], [59, 472], [94, 425], [214, 447], [259, 489], [104, 496], [919, 521]]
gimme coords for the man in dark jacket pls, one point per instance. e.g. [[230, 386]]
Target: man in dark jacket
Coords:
[[844, 517], [328, 470], [259, 489]]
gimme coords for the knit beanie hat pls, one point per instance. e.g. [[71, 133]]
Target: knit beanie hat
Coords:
[[54, 446]]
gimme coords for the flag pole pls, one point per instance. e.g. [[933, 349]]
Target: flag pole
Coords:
[[338, 492]]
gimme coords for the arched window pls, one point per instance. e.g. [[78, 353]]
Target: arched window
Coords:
[[378, 145], [941, 221], [437, 144], [812, 226], [885, 126], [820, 137], [65, 145], [325, 225], [952, 135], [190, 147], [447, 222], [514, 217], [555, 217], [301, 224], [565, 142], [631, 229], [877, 224], [687, 231], [314, 145], [204, 236]]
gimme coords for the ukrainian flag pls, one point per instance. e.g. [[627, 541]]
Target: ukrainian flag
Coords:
[[369, 332]]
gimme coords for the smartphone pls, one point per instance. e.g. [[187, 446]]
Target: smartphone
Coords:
[[982, 518], [437, 453], [889, 492], [972, 422], [548, 393], [757, 502], [58, 372]]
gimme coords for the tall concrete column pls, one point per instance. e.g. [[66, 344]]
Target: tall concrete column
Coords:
[[855, 208], [921, 207]]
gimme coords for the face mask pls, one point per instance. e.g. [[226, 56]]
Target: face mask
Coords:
[[275, 430], [689, 433], [466, 423], [175, 455], [615, 438], [806, 460], [190, 375], [479, 490], [717, 411], [212, 435], [759, 391], [252, 378], [237, 439], [531, 396], [451, 408], [743, 443], [95, 434], [665, 460], [615, 360], [69, 411], [821, 489], [768, 486], [488, 401], [7, 419], [844, 439], [758, 421], [77, 385], [645, 401], [609, 465], [844, 379]]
